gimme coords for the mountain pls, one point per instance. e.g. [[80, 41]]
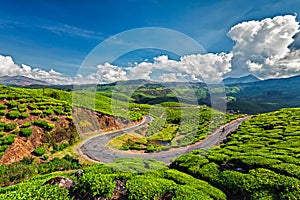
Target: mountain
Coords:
[[21, 81], [245, 79], [264, 96]]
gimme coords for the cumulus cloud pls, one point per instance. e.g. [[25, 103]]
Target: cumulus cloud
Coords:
[[268, 48], [208, 68], [9, 68], [262, 47]]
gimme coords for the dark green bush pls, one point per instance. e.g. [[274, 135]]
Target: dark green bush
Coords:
[[24, 115], [25, 132], [13, 114], [3, 107], [8, 140], [25, 125], [3, 148], [11, 104], [2, 112], [48, 112], [10, 126], [32, 106], [39, 151], [100, 185]]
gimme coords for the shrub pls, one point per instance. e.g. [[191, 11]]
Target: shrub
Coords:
[[59, 111], [32, 106], [10, 126], [8, 139], [2, 134], [45, 157], [39, 151], [142, 187], [25, 125], [25, 132], [24, 115], [3, 148], [48, 112], [22, 108], [17, 131], [70, 118], [2, 112], [40, 123], [36, 112], [98, 184], [3, 107], [49, 126], [11, 104], [13, 114], [62, 146], [2, 125]]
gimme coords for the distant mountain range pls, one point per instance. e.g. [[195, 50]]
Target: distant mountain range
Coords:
[[245, 79], [21, 81], [246, 94]]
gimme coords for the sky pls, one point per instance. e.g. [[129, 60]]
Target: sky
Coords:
[[52, 40]]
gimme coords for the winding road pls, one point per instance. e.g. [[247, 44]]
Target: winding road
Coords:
[[95, 148]]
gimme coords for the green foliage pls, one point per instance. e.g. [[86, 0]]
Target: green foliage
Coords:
[[13, 114], [45, 157], [43, 124], [25, 125], [36, 112], [25, 169], [55, 118], [100, 185], [8, 140], [25, 132], [39, 151], [11, 104], [10, 126], [48, 112], [24, 115], [3, 148], [259, 161], [2, 112], [146, 187], [3, 106]]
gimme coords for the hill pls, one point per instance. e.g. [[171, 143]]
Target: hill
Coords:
[[264, 96], [21, 81], [245, 79], [250, 97], [258, 161], [39, 122]]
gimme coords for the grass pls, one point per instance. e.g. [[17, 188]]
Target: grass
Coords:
[[166, 134], [122, 141]]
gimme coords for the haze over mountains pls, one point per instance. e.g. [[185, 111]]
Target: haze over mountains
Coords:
[[21, 81], [245, 79]]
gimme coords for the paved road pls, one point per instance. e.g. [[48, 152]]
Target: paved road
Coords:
[[95, 148]]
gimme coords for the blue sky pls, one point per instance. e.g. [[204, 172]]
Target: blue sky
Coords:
[[60, 34]]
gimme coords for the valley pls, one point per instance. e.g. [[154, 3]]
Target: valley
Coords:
[[185, 150]]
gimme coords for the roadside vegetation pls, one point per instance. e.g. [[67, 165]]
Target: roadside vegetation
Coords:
[[259, 161], [173, 126]]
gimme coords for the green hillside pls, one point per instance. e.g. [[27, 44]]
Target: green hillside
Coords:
[[258, 161]]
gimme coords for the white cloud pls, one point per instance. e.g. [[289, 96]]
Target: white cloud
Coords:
[[208, 68], [9, 68], [266, 48], [262, 47]]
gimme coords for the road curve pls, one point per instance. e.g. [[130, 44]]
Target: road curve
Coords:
[[95, 148]]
